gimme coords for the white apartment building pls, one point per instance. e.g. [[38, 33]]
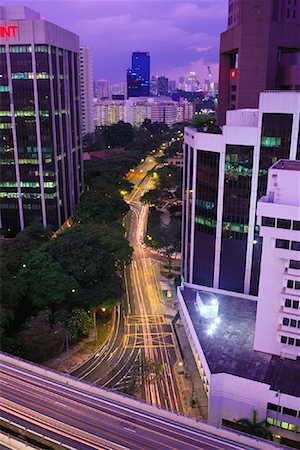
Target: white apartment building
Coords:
[[109, 112], [136, 109], [278, 313], [86, 90]]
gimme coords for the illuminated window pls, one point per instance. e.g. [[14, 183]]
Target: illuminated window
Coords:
[[41, 49], [20, 48], [5, 126], [4, 88], [267, 141]]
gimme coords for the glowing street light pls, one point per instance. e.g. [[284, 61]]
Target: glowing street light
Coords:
[[103, 309]]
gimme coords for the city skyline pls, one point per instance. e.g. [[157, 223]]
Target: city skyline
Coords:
[[192, 28]]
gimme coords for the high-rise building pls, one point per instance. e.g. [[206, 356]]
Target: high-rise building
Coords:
[[154, 86], [41, 155], [191, 83], [172, 85], [224, 175], [162, 85], [278, 315], [247, 350], [86, 90], [102, 89], [259, 51], [138, 77]]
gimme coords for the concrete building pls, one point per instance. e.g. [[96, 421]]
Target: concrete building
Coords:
[[102, 88], [224, 176], [162, 85], [108, 112], [247, 351], [185, 111], [86, 90], [278, 215], [260, 50], [136, 110], [41, 154]]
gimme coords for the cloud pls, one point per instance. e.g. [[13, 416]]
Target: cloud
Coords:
[[203, 10]]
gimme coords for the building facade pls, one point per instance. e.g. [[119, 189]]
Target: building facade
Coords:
[[41, 155], [247, 349], [260, 50], [86, 90], [278, 216], [138, 76], [224, 175]]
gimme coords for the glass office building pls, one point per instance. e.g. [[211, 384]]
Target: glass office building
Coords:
[[40, 140], [224, 176], [138, 77]]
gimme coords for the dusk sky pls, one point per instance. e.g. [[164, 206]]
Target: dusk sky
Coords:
[[180, 36]]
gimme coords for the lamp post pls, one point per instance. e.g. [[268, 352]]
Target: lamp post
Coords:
[[67, 345], [278, 393]]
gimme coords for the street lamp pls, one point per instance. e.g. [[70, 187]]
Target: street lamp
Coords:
[[67, 345]]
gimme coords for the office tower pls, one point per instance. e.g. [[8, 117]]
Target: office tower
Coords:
[[278, 315], [172, 85], [86, 90], [154, 86], [224, 176], [102, 89], [259, 51], [41, 157], [191, 83], [118, 89], [162, 85], [246, 351], [181, 83], [138, 77]]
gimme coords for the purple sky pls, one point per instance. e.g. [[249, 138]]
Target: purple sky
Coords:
[[180, 35]]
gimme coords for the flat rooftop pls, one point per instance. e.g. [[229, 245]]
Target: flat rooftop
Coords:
[[229, 349], [287, 164]]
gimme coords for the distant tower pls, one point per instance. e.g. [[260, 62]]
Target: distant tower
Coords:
[[272, 29], [138, 77], [162, 85], [86, 90]]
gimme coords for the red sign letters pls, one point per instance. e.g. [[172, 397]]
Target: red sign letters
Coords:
[[8, 31]]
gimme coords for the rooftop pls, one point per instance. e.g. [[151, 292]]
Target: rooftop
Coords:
[[287, 164], [229, 348]]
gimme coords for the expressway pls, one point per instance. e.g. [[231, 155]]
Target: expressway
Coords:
[[82, 417], [140, 332]]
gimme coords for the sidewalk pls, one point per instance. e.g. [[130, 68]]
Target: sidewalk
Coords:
[[82, 351], [190, 382]]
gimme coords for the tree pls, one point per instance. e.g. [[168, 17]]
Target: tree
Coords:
[[118, 135], [92, 266], [11, 293], [111, 236], [14, 250], [98, 208], [46, 282], [255, 427], [38, 342], [79, 324], [151, 197]]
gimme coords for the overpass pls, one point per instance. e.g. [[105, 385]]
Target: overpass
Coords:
[[63, 412]]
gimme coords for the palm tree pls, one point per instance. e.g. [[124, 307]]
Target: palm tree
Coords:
[[255, 427]]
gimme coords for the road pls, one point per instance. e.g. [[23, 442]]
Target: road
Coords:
[[84, 420], [139, 330]]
